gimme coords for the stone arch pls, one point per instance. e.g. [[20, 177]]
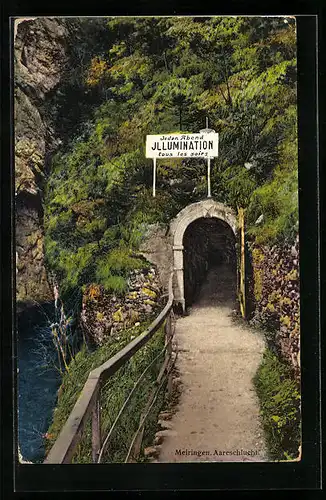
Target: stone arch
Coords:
[[205, 208]]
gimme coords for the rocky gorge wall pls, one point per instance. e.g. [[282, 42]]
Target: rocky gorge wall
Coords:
[[276, 290], [40, 59]]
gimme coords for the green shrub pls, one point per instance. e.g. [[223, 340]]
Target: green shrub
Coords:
[[112, 269], [279, 397]]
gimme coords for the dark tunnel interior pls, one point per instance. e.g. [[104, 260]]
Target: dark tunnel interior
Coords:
[[209, 243]]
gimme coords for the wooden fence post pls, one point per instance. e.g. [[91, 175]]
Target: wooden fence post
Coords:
[[168, 332], [136, 447], [96, 428], [138, 442], [242, 264]]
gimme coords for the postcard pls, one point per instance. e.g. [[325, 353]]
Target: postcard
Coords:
[[157, 240]]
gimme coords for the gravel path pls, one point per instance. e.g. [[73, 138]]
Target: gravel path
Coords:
[[218, 408]]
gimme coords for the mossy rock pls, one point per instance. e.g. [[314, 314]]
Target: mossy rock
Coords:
[[20, 266], [133, 316], [270, 307], [149, 302], [285, 320], [99, 316], [258, 287], [258, 255], [286, 300], [118, 315], [149, 293], [32, 238], [292, 275]]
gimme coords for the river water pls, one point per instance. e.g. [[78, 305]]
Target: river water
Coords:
[[37, 383]]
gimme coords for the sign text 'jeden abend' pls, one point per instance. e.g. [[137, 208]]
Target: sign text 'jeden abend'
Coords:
[[182, 145]]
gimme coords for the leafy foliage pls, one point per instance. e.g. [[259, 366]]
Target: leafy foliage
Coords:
[[110, 267], [163, 75], [279, 397]]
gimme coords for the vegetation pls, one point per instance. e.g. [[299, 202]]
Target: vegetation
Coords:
[[158, 75], [279, 396], [113, 395], [138, 76]]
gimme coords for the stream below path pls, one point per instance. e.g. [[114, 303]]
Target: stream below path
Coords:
[[38, 381]]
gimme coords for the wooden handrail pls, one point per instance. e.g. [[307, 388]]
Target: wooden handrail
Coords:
[[65, 445]]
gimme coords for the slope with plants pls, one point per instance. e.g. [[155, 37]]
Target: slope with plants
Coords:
[[160, 75], [166, 75]]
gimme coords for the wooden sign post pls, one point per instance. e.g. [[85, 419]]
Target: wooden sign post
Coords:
[[208, 131], [209, 195], [154, 177]]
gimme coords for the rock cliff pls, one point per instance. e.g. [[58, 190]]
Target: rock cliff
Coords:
[[40, 59], [277, 298]]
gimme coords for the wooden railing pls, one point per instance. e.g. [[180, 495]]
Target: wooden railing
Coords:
[[88, 404]]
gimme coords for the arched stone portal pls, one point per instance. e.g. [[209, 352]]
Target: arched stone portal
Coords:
[[201, 209]]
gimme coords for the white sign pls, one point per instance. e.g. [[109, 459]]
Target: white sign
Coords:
[[182, 146]]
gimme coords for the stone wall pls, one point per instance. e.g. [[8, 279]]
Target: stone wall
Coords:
[[277, 298], [104, 314], [157, 247]]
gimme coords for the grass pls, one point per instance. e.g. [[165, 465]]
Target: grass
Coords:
[[279, 397], [113, 395]]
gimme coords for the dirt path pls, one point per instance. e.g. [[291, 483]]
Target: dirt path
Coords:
[[218, 407]]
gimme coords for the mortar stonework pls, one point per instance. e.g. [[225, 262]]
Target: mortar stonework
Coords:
[[165, 249]]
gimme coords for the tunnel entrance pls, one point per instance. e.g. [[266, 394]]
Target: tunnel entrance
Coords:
[[210, 259], [206, 210]]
